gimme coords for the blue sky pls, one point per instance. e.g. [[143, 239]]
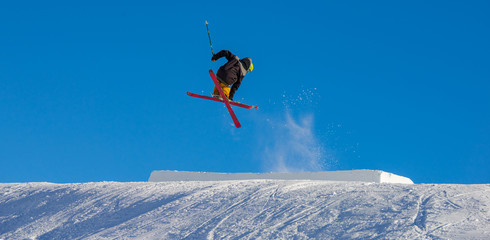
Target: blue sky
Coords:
[[96, 91]]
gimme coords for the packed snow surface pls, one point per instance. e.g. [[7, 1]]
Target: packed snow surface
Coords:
[[243, 209], [354, 175]]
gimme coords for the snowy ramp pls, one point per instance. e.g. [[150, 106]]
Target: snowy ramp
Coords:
[[375, 176]]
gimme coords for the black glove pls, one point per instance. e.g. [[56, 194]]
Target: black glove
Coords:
[[214, 58]]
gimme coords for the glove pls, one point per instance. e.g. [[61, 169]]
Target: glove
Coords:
[[213, 58]]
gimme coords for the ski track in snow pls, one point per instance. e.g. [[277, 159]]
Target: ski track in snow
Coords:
[[245, 209]]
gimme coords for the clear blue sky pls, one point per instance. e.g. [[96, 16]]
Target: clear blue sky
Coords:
[[96, 91]]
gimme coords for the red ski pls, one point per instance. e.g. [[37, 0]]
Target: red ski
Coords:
[[238, 104], [225, 99]]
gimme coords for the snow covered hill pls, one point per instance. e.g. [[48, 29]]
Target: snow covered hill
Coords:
[[243, 209]]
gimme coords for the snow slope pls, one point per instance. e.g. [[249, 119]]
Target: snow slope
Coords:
[[243, 209]]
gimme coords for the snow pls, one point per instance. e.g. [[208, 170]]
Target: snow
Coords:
[[244, 209], [354, 175]]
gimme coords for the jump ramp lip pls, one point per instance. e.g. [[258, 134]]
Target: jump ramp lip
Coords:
[[373, 176]]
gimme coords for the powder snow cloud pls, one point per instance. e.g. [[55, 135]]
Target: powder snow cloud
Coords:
[[292, 146]]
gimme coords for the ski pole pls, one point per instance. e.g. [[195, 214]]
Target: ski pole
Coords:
[[209, 36]]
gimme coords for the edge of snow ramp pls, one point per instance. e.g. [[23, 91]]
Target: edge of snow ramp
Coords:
[[375, 176]]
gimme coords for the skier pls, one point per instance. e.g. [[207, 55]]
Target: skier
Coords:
[[232, 73]]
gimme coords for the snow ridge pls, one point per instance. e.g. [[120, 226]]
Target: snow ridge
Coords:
[[375, 176]]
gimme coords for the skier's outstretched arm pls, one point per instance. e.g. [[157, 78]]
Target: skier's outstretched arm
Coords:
[[223, 53]]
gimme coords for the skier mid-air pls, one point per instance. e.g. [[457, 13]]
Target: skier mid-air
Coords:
[[231, 74], [228, 80]]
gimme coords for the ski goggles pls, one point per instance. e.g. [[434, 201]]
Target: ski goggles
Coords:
[[251, 68]]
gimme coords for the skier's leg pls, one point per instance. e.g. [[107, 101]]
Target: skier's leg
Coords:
[[226, 90], [215, 91]]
